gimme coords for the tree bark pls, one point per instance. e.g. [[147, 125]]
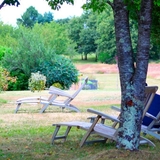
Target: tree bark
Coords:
[[85, 56], [132, 77]]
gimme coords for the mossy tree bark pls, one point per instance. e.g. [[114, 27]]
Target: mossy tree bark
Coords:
[[132, 74]]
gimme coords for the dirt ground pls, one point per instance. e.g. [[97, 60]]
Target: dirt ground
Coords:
[[153, 69]]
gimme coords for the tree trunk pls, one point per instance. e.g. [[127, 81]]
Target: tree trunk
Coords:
[[96, 58], [85, 56], [81, 56], [132, 79]]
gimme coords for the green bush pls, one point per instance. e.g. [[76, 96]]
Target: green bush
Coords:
[[59, 70], [5, 78], [21, 82], [4, 50], [37, 82], [106, 58]]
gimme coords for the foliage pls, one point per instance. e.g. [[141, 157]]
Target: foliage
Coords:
[[5, 78], [21, 82], [106, 48], [8, 37], [105, 58], [37, 82], [4, 50], [31, 16], [54, 36], [88, 34], [74, 27], [57, 85], [59, 70], [28, 55]]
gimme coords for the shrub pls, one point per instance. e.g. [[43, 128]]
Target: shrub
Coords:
[[106, 58], [3, 51], [5, 78], [59, 70], [21, 82], [37, 82], [57, 85]]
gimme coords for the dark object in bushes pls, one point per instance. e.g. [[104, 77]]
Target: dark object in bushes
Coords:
[[91, 85]]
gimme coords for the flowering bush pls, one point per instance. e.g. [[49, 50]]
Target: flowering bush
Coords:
[[37, 82], [5, 79]]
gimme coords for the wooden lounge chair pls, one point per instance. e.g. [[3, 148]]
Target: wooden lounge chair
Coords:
[[153, 128], [52, 100], [96, 127], [105, 132]]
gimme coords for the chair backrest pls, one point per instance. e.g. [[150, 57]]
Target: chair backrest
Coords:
[[150, 92], [80, 87]]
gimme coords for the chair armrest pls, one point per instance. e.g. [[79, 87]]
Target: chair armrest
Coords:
[[92, 118], [150, 116], [60, 93], [116, 108], [103, 115]]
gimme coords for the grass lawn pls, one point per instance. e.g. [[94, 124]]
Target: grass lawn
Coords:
[[27, 134]]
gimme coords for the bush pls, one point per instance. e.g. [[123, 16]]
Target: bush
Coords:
[[106, 58], [37, 82], [21, 82], [59, 70], [5, 78]]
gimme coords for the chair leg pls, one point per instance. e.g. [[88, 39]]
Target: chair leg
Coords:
[[44, 108], [54, 137], [55, 133], [18, 105], [91, 129]]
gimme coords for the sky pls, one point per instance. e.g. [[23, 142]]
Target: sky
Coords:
[[9, 14]]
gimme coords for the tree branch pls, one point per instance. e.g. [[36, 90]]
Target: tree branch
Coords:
[[2, 4], [110, 3]]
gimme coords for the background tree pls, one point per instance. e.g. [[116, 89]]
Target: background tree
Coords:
[[74, 27], [88, 35], [54, 37], [7, 36], [29, 18], [46, 18], [106, 48]]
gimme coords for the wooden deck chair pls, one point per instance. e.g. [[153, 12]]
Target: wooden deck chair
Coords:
[[52, 100], [150, 92], [153, 128], [105, 132]]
